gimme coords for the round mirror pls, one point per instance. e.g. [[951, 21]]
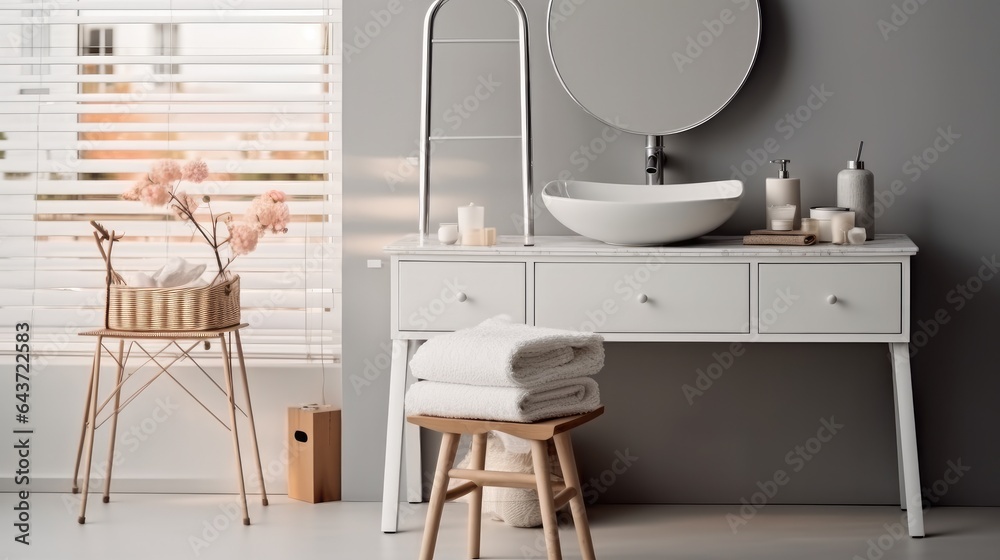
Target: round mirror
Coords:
[[653, 66]]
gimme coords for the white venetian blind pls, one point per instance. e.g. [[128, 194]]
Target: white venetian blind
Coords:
[[93, 92]]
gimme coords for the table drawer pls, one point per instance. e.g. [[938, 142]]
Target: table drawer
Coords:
[[641, 297], [445, 296], [831, 298]]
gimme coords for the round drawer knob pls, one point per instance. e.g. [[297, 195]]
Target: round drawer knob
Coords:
[[831, 299], [461, 297], [641, 298]]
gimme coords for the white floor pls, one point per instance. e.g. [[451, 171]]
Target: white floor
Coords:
[[156, 526]]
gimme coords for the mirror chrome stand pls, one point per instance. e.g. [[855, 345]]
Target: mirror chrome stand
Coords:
[[655, 159]]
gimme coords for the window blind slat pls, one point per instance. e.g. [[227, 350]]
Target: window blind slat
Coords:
[[222, 59], [221, 6], [287, 167], [231, 18], [167, 145], [46, 126]]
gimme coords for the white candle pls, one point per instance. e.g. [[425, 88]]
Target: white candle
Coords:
[[470, 218], [840, 224]]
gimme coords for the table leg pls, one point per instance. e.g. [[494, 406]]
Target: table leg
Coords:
[[899, 439], [253, 427], [114, 420], [908, 437], [83, 431], [228, 375], [394, 437], [91, 429], [411, 437]]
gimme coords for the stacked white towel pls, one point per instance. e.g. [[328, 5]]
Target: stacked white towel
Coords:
[[505, 371]]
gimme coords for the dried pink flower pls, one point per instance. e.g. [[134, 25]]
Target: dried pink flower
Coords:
[[195, 171], [274, 195], [243, 239], [274, 217], [135, 191], [267, 213], [165, 172], [155, 195]]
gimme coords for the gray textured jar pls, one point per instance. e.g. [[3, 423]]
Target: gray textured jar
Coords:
[[856, 190]]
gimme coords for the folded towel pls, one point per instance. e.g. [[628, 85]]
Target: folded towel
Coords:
[[772, 237], [500, 353], [564, 397]]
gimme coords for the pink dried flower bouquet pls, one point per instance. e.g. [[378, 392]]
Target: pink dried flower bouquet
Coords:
[[268, 213]]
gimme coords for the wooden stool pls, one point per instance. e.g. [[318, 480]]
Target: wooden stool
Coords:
[[552, 495]]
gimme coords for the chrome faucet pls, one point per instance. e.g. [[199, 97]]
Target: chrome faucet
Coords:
[[655, 158]]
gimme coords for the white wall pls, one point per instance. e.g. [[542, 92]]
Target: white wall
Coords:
[[183, 450]]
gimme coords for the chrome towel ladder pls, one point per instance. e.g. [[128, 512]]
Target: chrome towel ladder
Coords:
[[425, 117]]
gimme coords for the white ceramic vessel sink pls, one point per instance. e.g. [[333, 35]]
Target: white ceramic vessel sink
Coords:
[[641, 214]]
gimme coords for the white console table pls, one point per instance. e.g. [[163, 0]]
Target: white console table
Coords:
[[707, 290]]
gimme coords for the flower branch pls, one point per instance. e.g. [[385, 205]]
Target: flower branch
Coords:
[[268, 213]]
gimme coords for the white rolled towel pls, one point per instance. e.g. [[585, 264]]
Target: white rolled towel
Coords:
[[500, 353], [563, 397]]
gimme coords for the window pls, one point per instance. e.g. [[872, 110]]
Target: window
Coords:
[[166, 39], [98, 41], [253, 87]]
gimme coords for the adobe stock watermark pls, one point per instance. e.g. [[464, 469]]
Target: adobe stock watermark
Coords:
[[958, 297], [374, 368], [696, 44], [899, 16], [595, 486], [455, 116], [627, 287], [721, 363], [131, 438], [787, 126], [581, 159], [932, 494], [915, 167], [563, 10], [34, 20], [452, 293], [591, 490], [796, 460], [231, 512], [363, 35]]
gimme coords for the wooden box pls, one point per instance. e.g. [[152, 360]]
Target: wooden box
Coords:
[[314, 454]]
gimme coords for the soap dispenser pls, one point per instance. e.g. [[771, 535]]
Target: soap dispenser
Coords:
[[782, 190], [856, 191]]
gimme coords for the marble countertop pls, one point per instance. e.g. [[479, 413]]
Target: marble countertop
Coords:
[[573, 245]]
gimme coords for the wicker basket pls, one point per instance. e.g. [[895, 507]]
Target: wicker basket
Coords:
[[173, 309]]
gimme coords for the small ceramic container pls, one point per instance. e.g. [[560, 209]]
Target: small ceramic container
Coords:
[[448, 233], [856, 236]]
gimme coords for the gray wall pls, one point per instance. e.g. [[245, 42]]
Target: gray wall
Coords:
[[937, 71]]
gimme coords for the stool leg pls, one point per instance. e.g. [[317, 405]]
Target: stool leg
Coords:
[[83, 432], [564, 450], [114, 420], [227, 372], [540, 459], [253, 428], [446, 457], [91, 431], [477, 463]]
